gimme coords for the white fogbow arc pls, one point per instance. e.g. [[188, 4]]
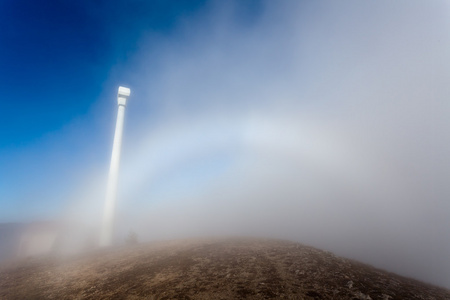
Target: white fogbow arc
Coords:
[[300, 142]]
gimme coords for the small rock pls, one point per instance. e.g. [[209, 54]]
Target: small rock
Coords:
[[350, 284], [363, 296]]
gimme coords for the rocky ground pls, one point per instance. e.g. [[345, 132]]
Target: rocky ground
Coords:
[[207, 269]]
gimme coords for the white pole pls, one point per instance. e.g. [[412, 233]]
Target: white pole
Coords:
[[111, 192]]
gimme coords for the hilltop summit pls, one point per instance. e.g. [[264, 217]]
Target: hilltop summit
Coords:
[[232, 268]]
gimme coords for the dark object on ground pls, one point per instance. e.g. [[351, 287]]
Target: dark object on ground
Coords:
[[132, 238], [208, 269]]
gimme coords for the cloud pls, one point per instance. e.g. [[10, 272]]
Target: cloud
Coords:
[[320, 122]]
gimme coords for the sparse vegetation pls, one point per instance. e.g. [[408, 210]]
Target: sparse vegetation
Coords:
[[209, 269]]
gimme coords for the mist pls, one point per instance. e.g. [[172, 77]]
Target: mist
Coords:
[[319, 122]]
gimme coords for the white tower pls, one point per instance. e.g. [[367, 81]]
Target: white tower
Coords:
[[108, 218]]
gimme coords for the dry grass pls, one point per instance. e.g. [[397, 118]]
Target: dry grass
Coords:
[[208, 269]]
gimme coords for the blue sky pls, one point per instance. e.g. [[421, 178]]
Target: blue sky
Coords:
[[58, 56], [60, 61], [319, 121]]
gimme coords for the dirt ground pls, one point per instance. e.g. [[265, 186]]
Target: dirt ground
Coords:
[[235, 268]]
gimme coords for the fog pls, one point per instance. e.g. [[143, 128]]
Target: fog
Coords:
[[320, 122]]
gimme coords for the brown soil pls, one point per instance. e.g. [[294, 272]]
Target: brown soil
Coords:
[[208, 269]]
